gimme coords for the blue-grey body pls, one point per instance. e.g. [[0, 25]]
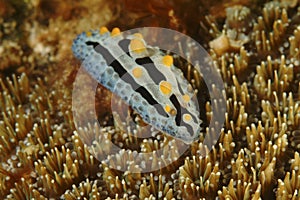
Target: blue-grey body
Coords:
[[144, 77]]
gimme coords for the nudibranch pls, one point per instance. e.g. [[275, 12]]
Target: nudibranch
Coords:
[[144, 77]]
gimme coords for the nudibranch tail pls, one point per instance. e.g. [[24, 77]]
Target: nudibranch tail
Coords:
[[144, 77]]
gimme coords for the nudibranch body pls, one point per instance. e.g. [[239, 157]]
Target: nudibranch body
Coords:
[[144, 77]]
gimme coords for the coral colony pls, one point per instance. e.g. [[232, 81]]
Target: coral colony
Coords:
[[255, 46]]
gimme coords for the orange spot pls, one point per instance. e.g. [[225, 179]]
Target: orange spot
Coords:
[[186, 98], [173, 112], [137, 72], [103, 30], [115, 31], [167, 108], [165, 87], [137, 46], [187, 117], [138, 35], [88, 33], [167, 60], [170, 110]]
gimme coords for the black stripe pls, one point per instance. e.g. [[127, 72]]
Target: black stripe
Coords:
[[179, 111], [94, 44], [127, 77], [176, 104], [124, 45], [193, 98], [108, 57], [153, 72]]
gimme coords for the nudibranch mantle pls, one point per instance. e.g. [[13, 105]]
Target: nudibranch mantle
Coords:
[[144, 77]]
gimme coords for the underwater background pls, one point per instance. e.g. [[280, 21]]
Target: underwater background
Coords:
[[254, 44]]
